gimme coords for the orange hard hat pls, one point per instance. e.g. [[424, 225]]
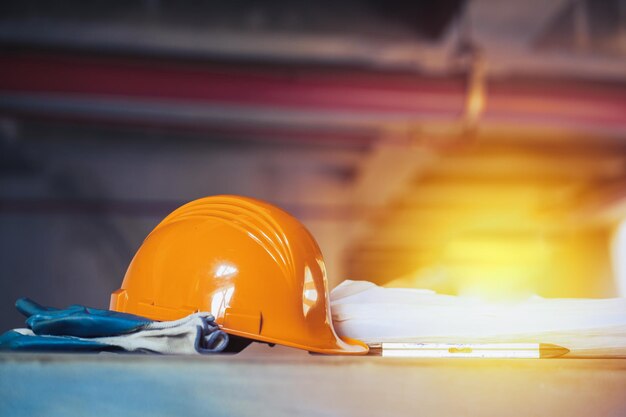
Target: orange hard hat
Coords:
[[252, 265]]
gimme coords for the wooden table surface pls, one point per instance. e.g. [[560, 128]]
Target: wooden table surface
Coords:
[[263, 381]]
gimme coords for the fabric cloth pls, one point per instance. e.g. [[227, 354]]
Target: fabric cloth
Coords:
[[373, 314], [80, 328]]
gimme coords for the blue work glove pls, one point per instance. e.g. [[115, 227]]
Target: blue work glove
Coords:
[[25, 340], [79, 328], [77, 320]]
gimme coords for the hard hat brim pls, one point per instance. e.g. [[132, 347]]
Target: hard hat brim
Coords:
[[344, 345]]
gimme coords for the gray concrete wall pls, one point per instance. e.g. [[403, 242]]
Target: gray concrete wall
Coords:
[[76, 204]]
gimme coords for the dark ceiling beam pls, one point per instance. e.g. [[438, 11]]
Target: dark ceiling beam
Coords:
[[300, 95]]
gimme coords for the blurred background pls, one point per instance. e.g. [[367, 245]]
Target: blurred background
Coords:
[[471, 147]]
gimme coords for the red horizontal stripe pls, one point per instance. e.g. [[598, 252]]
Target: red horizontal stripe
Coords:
[[286, 87], [330, 89]]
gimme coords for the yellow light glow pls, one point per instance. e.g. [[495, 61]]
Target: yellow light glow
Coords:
[[498, 240]]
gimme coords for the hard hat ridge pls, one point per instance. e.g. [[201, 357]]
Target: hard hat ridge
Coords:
[[253, 220]]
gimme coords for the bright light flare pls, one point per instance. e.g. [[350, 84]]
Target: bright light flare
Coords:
[[619, 258]]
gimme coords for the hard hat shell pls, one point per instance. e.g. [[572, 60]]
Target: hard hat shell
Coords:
[[253, 266]]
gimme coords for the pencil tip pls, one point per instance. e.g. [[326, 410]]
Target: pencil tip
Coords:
[[549, 350]]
